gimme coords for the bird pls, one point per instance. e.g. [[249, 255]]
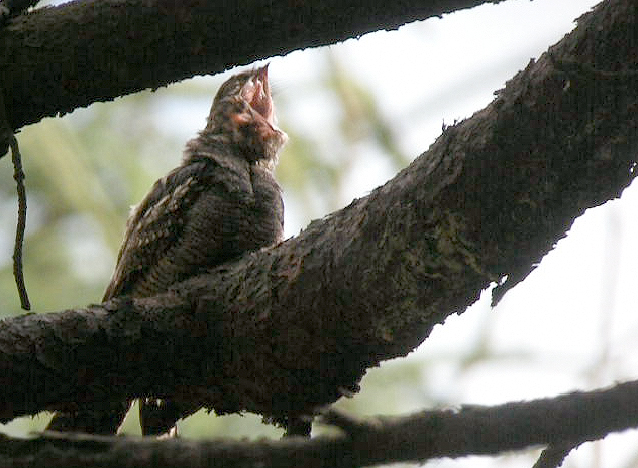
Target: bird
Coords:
[[222, 201]]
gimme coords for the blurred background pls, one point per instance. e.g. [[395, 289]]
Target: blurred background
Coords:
[[356, 113]]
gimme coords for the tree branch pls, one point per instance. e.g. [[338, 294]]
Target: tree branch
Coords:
[[87, 51], [554, 454], [287, 330], [472, 430]]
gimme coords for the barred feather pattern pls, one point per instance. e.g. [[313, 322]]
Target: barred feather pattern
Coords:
[[220, 203], [204, 213]]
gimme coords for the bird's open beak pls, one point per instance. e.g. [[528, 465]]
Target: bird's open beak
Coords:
[[258, 95]]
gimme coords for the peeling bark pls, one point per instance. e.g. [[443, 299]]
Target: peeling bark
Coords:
[[286, 330]]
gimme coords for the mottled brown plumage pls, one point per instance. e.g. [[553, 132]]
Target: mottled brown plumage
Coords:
[[221, 202]]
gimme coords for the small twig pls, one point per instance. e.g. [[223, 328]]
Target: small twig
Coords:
[[18, 175], [348, 423], [554, 455], [8, 139]]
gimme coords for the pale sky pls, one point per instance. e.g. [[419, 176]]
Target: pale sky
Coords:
[[572, 323]]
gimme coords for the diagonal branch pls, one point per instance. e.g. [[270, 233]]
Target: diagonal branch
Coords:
[[87, 51], [471, 430], [286, 330]]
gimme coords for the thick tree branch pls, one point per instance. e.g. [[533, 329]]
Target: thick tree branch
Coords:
[[87, 51], [287, 330], [577, 417]]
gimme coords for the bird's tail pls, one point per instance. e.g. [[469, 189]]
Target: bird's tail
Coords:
[[102, 419]]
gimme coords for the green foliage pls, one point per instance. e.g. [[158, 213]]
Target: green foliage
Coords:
[[84, 171]]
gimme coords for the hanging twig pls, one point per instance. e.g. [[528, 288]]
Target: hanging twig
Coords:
[[18, 175], [8, 139]]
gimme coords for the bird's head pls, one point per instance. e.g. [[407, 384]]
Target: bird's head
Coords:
[[243, 115]]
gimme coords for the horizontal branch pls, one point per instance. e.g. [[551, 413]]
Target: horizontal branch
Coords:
[[286, 330], [57, 59], [472, 430]]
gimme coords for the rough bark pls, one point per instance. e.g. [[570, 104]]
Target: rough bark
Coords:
[[576, 417], [286, 330], [96, 50]]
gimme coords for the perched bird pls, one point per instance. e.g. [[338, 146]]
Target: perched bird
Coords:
[[221, 202]]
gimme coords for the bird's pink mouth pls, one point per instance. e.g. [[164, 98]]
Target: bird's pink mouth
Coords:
[[258, 95]]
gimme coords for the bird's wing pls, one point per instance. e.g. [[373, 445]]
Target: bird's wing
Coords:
[[155, 225]]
